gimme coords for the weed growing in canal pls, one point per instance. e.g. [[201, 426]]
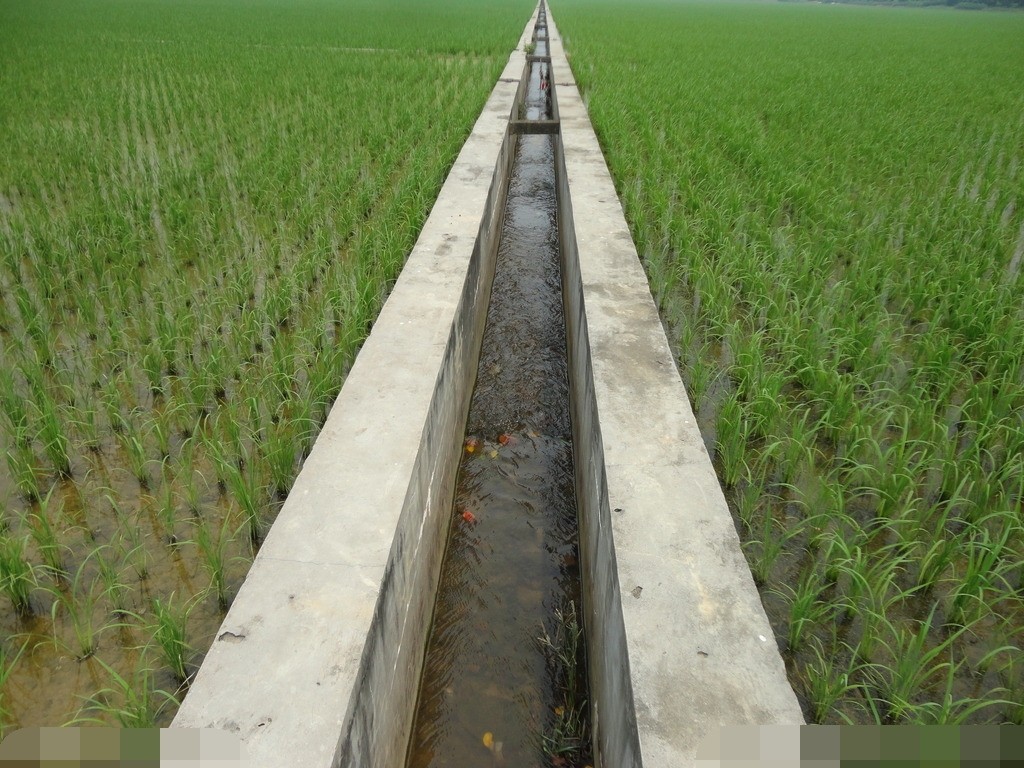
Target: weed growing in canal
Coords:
[[566, 740]]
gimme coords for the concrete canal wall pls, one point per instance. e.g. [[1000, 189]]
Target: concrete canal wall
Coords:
[[679, 641], [318, 661]]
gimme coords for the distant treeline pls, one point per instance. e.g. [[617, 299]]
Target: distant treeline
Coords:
[[964, 4]]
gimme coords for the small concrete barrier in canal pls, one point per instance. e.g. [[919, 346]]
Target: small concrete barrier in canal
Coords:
[[320, 661]]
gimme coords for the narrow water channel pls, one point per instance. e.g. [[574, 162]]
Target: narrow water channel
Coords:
[[493, 691]]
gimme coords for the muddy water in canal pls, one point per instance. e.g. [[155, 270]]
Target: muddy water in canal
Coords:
[[493, 693]]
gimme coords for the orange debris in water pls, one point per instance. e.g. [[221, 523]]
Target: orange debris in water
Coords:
[[468, 516], [504, 439], [472, 444]]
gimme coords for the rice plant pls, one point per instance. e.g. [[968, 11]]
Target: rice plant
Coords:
[[7, 664], [913, 662], [828, 680], [807, 608], [169, 633], [78, 601], [17, 574], [130, 701], [46, 539], [214, 557]]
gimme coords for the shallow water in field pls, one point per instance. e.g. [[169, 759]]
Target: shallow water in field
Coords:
[[490, 689]]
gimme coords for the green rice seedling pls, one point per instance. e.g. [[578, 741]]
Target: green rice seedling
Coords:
[[167, 511], [766, 407], [826, 681], [88, 428], [281, 451], [214, 558], [789, 454], [7, 665], [950, 710], [162, 430], [1013, 681], [702, 375], [53, 436], [748, 368], [245, 490], [114, 588], [733, 434], [110, 397], [45, 538], [135, 452], [50, 430], [152, 366], [188, 482], [22, 464], [937, 557], [130, 702], [17, 574], [12, 405], [233, 428], [129, 544], [78, 602], [806, 608], [168, 630], [983, 569], [913, 662], [762, 553], [869, 590], [750, 496]]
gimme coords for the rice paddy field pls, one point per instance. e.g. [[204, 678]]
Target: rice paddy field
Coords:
[[203, 204], [828, 201]]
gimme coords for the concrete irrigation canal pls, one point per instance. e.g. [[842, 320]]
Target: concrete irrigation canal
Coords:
[[508, 545], [512, 552]]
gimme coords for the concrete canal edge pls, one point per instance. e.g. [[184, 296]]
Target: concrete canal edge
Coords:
[[318, 660], [317, 663], [661, 543]]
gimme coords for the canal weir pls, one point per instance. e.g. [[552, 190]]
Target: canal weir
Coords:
[[508, 543]]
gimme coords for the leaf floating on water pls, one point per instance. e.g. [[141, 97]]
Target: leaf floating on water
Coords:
[[493, 454], [468, 516], [489, 740], [504, 439], [472, 444]]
